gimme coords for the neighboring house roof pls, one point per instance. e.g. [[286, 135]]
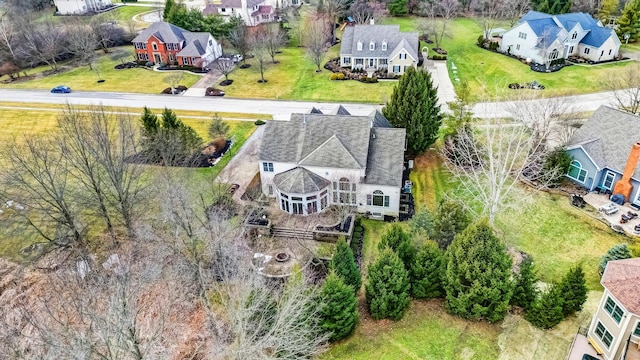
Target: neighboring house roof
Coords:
[[300, 181], [378, 34], [622, 279], [315, 110], [553, 25], [237, 4], [164, 31], [263, 9], [195, 43], [338, 141], [384, 163], [340, 111], [608, 137]]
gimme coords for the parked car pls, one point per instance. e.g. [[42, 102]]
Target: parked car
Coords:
[[588, 357], [237, 58], [61, 89]]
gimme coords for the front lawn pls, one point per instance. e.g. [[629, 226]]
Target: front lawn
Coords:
[[81, 78], [294, 78], [488, 73], [126, 13]]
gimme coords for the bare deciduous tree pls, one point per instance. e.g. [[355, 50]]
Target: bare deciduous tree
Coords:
[[82, 41], [362, 12], [42, 42], [240, 40], [316, 40], [333, 9], [173, 80], [625, 86], [490, 158], [258, 42], [275, 38], [439, 15], [225, 67]]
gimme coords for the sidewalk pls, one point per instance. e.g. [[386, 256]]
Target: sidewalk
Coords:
[[199, 88]]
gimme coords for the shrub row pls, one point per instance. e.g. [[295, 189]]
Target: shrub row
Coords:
[[439, 57], [336, 76]]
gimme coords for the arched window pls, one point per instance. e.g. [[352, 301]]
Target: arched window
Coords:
[[372, 46], [344, 192], [378, 198], [554, 54], [359, 45], [384, 46], [576, 172]]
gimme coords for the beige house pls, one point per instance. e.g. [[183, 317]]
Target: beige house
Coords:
[[375, 47], [615, 328]]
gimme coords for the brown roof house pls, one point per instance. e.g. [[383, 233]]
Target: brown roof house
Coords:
[[316, 160], [615, 328]]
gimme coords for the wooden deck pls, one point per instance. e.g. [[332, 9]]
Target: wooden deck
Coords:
[[580, 347]]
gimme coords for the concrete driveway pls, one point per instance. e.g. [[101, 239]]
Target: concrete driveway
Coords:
[[244, 166]]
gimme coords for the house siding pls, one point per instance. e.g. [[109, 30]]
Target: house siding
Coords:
[[68, 7], [594, 53], [402, 63], [511, 39], [593, 177], [619, 331], [391, 191]]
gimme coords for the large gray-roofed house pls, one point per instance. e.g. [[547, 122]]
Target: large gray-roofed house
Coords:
[[253, 12], [601, 148], [355, 161], [374, 47]]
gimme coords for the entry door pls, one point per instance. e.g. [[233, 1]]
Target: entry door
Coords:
[[157, 59], [608, 180], [371, 62]]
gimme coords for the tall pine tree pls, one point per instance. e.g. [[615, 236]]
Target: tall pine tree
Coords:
[[525, 291], [399, 241], [426, 272], [414, 106], [629, 21], [617, 252], [338, 308], [478, 278], [344, 265], [450, 219], [387, 292], [573, 288], [546, 312]]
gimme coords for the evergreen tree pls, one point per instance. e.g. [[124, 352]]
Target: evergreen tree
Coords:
[[414, 106], [546, 312], [449, 220], [345, 266], [573, 288], [426, 272], [560, 6], [387, 292], [421, 224], [607, 10], [525, 291], [460, 110], [150, 123], [398, 7], [218, 128], [629, 21], [168, 140], [338, 308], [617, 252], [169, 7], [556, 166], [478, 277], [399, 241]]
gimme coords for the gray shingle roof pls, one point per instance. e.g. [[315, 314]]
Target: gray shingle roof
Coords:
[[300, 181], [379, 120], [164, 31], [340, 111], [377, 33], [608, 137], [386, 157], [196, 44]]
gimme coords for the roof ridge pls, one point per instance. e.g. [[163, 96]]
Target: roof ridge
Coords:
[[334, 136]]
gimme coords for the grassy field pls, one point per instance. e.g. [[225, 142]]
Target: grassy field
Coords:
[[126, 13], [81, 78], [489, 73], [294, 78]]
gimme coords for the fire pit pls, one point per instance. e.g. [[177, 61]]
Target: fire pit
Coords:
[[282, 257]]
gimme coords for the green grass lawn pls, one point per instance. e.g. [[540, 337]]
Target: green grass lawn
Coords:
[[126, 13], [488, 73], [546, 226], [294, 78], [81, 78]]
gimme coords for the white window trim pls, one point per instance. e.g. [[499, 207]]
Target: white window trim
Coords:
[[267, 166], [616, 305], [372, 46], [612, 180], [359, 45], [601, 339], [384, 46], [586, 172]]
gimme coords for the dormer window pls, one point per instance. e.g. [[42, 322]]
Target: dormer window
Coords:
[[372, 46], [384, 46], [359, 45]]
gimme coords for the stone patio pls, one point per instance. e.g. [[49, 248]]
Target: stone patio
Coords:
[[597, 200]]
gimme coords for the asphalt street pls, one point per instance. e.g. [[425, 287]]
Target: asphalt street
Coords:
[[279, 109]]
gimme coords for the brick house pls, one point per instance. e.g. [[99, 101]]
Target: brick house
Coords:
[[165, 43]]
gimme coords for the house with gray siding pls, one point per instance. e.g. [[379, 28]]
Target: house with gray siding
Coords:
[[316, 160], [605, 153], [376, 47]]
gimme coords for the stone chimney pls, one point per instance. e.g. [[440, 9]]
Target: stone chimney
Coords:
[[624, 186], [372, 22]]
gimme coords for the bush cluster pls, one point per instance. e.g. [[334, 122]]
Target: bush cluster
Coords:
[[369, 80], [438, 57], [336, 76], [259, 122]]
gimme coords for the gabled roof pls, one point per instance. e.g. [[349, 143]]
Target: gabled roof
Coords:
[[378, 34], [300, 181], [540, 26], [340, 111], [622, 279], [533, 15], [263, 9], [404, 45], [196, 44], [386, 157], [165, 32], [378, 120], [608, 137], [315, 110], [597, 36], [332, 153]]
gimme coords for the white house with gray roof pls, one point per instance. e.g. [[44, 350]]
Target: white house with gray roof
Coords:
[[74, 7], [540, 37], [374, 47], [253, 12], [316, 160]]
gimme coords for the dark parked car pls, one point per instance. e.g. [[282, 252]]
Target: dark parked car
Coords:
[[588, 357], [61, 89]]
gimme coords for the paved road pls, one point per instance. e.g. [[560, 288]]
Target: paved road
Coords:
[[279, 109]]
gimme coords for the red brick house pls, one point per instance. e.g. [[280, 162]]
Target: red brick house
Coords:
[[165, 43]]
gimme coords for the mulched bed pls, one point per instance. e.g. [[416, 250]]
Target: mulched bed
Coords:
[[226, 82], [213, 92], [177, 90]]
